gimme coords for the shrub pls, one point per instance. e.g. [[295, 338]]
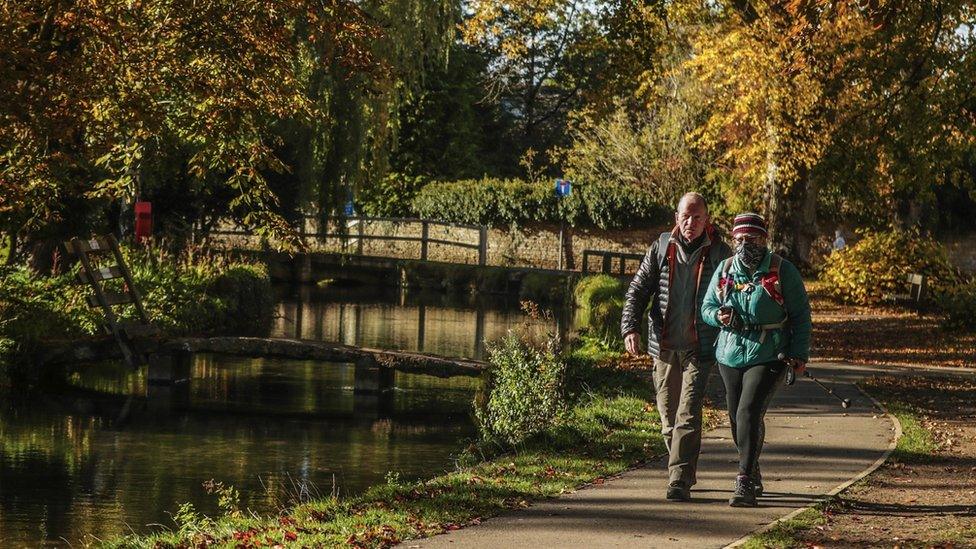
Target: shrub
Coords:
[[600, 301], [39, 308], [392, 196], [189, 294], [502, 202], [613, 206], [201, 293], [959, 306], [880, 263], [523, 392], [650, 150]]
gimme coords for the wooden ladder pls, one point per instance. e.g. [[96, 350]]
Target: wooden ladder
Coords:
[[124, 332]]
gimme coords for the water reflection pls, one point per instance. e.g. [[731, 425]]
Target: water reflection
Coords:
[[105, 459], [90, 463], [434, 323]]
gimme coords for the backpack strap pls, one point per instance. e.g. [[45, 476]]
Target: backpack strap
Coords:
[[770, 281], [663, 244], [723, 279]]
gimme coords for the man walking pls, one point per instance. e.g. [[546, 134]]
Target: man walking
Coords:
[[673, 278]]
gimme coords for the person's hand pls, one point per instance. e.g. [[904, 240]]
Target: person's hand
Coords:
[[798, 365], [632, 343], [725, 316]]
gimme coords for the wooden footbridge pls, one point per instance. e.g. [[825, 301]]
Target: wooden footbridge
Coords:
[[167, 358], [138, 343]]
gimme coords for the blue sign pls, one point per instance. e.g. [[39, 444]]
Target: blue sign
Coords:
[[350, 209], [563, 187]]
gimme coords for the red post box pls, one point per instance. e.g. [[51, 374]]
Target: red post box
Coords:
[[143, 221]]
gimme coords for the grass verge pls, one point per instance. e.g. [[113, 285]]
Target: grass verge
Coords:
[[610, 425], [783, 533]]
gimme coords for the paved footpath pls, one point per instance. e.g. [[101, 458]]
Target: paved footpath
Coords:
[[812, 446]]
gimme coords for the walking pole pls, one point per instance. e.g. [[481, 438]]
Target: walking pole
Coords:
[[791, 377]]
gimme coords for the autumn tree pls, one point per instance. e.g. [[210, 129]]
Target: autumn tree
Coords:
[[814, 96], [92, 93]]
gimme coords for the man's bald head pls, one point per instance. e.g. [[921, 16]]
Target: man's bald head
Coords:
[[691, 217], [692, 199]]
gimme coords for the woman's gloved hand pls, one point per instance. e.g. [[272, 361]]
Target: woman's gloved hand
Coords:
[[729, 317]]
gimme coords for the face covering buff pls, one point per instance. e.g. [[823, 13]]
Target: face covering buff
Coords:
[[750, 254]]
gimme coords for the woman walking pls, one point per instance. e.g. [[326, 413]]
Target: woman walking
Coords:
[[758, 300]]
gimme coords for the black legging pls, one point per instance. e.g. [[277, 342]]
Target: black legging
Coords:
[[748, 392]]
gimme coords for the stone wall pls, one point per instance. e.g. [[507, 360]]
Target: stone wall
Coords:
[[539, 246]]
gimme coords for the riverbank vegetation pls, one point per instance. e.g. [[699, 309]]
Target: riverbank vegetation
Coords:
[[193, 292], [599, 306], [589, 419]]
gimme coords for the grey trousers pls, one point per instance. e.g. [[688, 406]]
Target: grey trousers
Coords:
[[680, 380]]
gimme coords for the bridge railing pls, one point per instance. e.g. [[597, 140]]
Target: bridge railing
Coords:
[[612, 263], [356, 234]]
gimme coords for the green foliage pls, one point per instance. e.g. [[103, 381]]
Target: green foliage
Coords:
[[228, 497], [523, 393], [503, 202], [610, 205], [879, 264], [646, 150], [201, 293], [959, 306], [188, 294], [189, 521], [35, 308], [391, 196], [599, 302], [453, 128]]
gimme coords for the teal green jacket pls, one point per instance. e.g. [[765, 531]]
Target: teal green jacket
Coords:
[[748, 346]]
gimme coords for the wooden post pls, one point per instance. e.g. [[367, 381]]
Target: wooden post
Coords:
[[421, 328], [165, 369], [359, 245], [483, 246], [561, 229], [479, 334], [371, 378], [424, 235]]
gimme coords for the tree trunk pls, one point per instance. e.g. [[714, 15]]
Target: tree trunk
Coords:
[[42, 259], [791, 214]]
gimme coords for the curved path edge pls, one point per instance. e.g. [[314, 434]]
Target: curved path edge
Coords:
[[840, 488]]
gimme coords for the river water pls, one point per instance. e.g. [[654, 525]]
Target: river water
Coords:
[[103, 459]]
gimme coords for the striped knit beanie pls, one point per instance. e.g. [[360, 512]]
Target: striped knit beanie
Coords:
[[749, 224]]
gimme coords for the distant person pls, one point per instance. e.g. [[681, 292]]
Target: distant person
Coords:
[[758, 300], [839, 242], [672, 277]]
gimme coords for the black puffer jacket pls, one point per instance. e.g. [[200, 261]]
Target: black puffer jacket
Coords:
[[651, 284]]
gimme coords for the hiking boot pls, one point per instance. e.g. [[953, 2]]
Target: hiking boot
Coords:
[[744, 494], [678, 492], [757, 483]]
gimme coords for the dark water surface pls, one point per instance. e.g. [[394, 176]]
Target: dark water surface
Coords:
[[113, 454]]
